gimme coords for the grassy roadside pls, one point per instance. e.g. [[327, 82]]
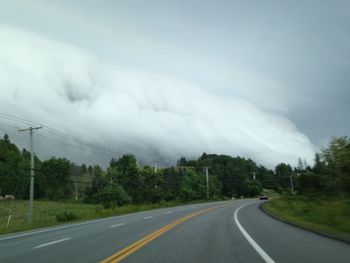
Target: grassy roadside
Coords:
[[46, 213], [328, 216]]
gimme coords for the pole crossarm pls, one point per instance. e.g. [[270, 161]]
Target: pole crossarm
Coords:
[[30, 128]]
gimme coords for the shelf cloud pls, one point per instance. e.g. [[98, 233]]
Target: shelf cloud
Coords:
[[158, 117]]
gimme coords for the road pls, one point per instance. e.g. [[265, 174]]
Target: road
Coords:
[[231, 231]]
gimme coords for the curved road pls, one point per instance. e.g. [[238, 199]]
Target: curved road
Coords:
[[232, 231]]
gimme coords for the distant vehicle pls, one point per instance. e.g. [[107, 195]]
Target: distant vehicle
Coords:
[[9, 197], [263, 197]]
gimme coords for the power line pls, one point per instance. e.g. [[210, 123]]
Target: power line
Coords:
[[10, 126], [84, 176], [7, 166], [77, 140], [17, 119], [71, 145], [56, 132], [52, 131]]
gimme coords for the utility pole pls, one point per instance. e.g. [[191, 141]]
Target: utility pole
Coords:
[[76, 191], [31, 187], [155, 167], [207, 180], [291, 183]]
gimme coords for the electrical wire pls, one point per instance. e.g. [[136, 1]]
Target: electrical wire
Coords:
[[58, 133], [71, 145], [10, 126]]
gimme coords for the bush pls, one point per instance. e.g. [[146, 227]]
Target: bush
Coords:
[[114, 195], [251, 188], [66, 216]]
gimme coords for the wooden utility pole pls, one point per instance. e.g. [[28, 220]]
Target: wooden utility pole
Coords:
[[207, 180], [31, 187]]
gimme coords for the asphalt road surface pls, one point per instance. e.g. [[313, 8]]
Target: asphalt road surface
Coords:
[[231, 231]]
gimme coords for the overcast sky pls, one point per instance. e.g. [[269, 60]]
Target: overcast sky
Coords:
[[267, 80]]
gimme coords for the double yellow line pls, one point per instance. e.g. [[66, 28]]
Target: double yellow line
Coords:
[[120, 255]]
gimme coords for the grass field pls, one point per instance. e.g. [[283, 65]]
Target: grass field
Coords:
[[323, 215], [46, 213]]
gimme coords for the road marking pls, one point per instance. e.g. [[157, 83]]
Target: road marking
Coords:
[[168, 213], [251, 241], [49, 229], [121, 224], [193, 207], [122, 254], [35, 232], [147, 217], [183, 209], [51, 243]]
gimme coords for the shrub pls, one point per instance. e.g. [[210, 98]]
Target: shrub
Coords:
[[66, 216], [114, 195]]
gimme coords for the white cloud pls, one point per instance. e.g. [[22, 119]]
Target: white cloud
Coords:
[[155, 116]]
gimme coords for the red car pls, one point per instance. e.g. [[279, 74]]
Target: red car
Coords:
[[263, 197]]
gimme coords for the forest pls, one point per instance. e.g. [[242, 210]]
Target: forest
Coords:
[[125, 182]]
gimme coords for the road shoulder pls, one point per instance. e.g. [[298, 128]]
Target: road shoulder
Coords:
[[332, 236]]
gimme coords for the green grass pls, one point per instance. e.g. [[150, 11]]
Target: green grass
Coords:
[[328, 216], [45, 213], [270, 193]]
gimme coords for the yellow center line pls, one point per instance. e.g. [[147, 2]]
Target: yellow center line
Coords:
[[121, 254]]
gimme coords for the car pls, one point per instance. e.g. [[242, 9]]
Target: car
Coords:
[[263, 197]]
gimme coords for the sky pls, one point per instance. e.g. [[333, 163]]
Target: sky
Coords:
[[164, 79]]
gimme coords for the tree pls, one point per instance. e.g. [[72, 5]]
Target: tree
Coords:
[[98, 184], [151, 182], [266, 177], [336, 158], [83, 169], [251, 188], [310, 183], [54, 181], [319, 166], [90, 169], [105, 188], [172, 183], [127, 175], [75, 170], [14, 170], [114, 194], [283, 172], [182, 162], [193, 187], [6, 139]]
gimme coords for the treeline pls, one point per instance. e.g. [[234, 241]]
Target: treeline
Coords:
[[330, 174], [54, 178], [125, 182]]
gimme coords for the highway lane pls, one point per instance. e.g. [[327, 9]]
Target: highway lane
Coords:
[[91, 241], [213, 236], [286, 243]]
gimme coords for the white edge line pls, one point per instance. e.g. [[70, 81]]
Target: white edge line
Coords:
[[147, 217], [35, 232], [168, 213], [121, 224], [51, 243], [255, 245]]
